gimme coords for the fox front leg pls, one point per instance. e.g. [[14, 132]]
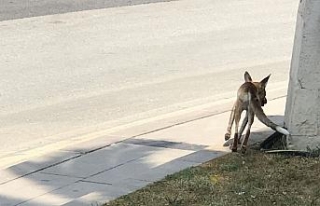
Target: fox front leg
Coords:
[[237, 116], [230, 123]]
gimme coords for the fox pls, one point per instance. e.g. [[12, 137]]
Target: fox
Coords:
[[251, 96]]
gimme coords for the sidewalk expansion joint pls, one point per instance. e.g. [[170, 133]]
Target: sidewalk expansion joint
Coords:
[[111, 168], [93, 182], [39, 170], [61, 175]]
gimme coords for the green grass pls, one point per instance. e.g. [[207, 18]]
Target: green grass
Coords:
[[251, 179]]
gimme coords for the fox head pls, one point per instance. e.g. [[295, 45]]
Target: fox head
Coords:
[[261, 87]]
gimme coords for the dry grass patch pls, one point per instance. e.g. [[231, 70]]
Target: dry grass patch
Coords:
[[251, 179]]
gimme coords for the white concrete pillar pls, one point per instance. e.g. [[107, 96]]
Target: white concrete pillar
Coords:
[[302, 116]]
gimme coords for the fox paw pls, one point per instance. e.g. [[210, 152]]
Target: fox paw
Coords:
[[227, 136], [243, 150]]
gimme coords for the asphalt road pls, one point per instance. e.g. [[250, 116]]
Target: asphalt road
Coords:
[[16, 9], [95, 69]]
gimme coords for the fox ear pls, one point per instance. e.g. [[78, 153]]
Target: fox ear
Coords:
[[247, 77], [265, 80]]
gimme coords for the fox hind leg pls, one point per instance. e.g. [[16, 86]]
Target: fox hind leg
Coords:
[[243, 126], [246, 137]]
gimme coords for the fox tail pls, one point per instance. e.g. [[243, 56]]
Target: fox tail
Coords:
[[258, 111]]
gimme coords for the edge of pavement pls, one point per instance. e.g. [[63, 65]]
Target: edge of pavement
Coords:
[[90, 142]]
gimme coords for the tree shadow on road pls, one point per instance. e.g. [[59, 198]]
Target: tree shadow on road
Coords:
[[17, 9]]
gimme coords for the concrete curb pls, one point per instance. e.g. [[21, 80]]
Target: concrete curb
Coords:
[[100, 139]]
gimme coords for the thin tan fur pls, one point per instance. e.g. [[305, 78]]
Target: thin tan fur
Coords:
[[251, 97]]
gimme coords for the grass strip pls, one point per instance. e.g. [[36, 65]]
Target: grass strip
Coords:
[[252, 179]]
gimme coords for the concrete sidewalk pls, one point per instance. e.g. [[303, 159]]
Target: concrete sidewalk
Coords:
[[123, 161]]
